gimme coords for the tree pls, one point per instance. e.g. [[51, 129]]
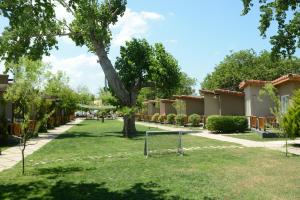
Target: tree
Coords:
[[141, 65], [291, 120], [287, 15], [107, 98], [26, 96], [247, 65], [270, 91], [57, 87], [84, 95], [186, 85], [33, 29]]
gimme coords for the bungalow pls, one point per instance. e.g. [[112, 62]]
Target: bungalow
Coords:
[[189, 105], [166, 106], [152, 107], [286, 85], [223, 102]]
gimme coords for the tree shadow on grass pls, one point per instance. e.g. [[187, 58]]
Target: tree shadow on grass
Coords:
[[88, 191], [55, 172], [78, 135]]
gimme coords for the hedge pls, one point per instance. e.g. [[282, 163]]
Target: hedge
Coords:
[[227, 124], [194, 119], [171, 118], [162, 118], [155, 117], [180, 120]]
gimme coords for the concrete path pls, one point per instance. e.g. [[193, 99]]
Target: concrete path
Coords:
[[276, 145], [12, 155]]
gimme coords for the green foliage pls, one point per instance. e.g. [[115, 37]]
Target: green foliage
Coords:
[[291, 120], [186, 85], [180, 119], [162, 118], [57, 87], [194, 119], [287, 16], [155, 117], [84, 95], [227, 124], [247, 65], [165, 72], [107, 98], [171, 118], [25, 93], [141, 65]]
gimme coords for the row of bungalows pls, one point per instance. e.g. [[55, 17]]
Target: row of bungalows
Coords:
[[246, 102], [11, 122]]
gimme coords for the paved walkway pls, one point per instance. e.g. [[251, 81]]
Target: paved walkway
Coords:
[[12, 155], [276, 145]]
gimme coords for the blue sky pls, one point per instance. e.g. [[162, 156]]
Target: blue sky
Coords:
[[199, 33]]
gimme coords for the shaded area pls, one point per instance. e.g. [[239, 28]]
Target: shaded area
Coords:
[[297, 145], [88, 191], [9, 141]]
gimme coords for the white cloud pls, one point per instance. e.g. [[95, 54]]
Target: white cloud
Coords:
[[62, 13], [133, 24], [83, 70]]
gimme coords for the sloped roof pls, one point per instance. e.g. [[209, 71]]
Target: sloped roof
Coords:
[[184, 97], [167, 100], [286, 78], [246, 83], [222, 91], [278, 81]]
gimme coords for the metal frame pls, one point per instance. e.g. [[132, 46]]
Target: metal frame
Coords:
[[179, 147]]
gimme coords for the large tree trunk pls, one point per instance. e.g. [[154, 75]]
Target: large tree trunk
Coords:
[[126, 98], [129, 129], [111, 75]]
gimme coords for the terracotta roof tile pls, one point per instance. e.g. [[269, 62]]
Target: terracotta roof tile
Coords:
[[167, 100], [246, 83], [286, 78], [188, 97], [222, 91]]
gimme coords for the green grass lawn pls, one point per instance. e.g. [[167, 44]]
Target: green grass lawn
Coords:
[[93, 161], [253, 136]]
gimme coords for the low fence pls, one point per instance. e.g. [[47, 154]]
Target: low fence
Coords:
[[262, 123]]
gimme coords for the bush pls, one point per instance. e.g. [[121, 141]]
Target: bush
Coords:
[[162, 118], [227, 124], [171, 118], [194, 119], [180, 119], [155, 117]]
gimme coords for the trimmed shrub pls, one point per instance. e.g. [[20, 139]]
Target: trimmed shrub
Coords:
[[227, 124], [180, 119], [194, 119], [171, 118], [155, 117], [162, 118]]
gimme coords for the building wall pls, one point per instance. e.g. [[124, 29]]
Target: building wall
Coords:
[[288, 88], [211, 104], [152, 109], [194, 106], [232, 105], [167, 108], [253, 105]]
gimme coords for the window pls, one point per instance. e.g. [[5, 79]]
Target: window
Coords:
[[284, 103]]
